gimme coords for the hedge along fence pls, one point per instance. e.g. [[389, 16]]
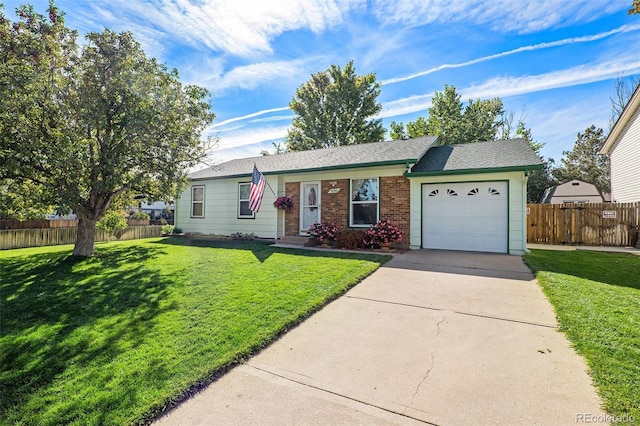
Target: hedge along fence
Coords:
[[19, 238]]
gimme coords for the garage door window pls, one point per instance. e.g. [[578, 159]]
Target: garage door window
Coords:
[[364, 202]]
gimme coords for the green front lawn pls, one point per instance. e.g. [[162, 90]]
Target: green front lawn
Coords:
[[596, 297], [115, 338]]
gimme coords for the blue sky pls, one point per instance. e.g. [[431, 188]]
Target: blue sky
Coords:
[[552, 62]]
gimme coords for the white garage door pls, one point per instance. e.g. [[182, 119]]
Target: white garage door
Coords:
[[465, 216]]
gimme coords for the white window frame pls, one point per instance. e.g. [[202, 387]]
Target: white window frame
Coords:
[[194, 201], [351, 203], [244, 200]]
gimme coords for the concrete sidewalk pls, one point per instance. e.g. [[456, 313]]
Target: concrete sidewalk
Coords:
[[433, 337]]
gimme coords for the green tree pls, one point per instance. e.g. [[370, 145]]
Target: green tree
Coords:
[[334, 108], [277, 149], [88, 125], [397, 132], [112, 222], [454, 123], [20, 199], [584, 161], [538, 180]]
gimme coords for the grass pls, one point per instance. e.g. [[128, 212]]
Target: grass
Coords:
[[596, 297], [116, 338]]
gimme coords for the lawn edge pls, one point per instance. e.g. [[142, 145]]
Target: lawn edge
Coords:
[[166, 407]]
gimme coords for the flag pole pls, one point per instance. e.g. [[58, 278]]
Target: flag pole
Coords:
[[267, 182]]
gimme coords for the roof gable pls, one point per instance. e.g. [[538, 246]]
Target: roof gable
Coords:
[[572, 188], [351, 156], [513, 154], [627, 113]]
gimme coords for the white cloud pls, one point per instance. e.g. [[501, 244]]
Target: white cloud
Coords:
[[245, 117], [546, 45], [503, 87], [583, 74], [236, 139], [499, 15], [238, 27]]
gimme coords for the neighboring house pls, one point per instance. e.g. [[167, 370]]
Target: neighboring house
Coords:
[[623, 148], [456, 197], [574, 191], [157, 209]]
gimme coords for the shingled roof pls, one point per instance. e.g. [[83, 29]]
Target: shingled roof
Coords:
[[512, 154], [367, 154]]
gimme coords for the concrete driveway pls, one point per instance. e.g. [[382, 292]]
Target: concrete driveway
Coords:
[[432, 337]]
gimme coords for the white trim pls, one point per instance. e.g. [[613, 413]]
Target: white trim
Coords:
[[377, 202], [303, 204], [193, 188], [246, 200]]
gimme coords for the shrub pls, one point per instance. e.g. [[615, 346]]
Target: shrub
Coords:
[[243, 237], [112, 222], [177, 231], [382, 232], [139, 216], [323, 232], [351, 239], [167, 229]]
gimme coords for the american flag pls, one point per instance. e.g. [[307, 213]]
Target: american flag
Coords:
[[257, 190]]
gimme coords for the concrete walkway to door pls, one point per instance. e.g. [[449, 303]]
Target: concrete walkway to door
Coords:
[[432, 337]]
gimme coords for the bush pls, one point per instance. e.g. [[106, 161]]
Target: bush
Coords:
[[112, 222], [167, 229], [351, 239], [243, 237], [382, 232], [139, 216], [177, 231], [323, 232]]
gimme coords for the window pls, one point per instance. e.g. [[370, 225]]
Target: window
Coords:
[[364, 202], [244, 212], [197, 201]]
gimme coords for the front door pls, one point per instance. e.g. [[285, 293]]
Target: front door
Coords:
[[309, 205]]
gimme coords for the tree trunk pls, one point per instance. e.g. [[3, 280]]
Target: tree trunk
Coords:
[[85, 241]]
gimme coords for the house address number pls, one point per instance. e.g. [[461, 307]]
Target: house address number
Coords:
[[609, 214]]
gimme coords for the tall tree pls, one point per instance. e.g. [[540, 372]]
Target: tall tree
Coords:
[[335, 107], [635, 8], [89, 125], [454, 123], [584, 161]]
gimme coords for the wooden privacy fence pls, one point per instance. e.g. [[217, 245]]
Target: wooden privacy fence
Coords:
[[17, 238], [37, 223], [584, 224]]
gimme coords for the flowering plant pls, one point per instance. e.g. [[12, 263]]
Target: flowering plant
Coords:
[[283, 203], [323, 232], [382, 232]]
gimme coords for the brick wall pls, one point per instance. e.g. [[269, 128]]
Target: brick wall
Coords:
[[394, 204], [292, 216], [335, 207]]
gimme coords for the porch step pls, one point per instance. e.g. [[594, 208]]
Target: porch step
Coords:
[[295, 241]]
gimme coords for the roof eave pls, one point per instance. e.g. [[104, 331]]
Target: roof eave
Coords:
[[627, 113], [403, 162], [475, 171]]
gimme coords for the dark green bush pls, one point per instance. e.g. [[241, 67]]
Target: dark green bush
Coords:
[[351, 239]]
